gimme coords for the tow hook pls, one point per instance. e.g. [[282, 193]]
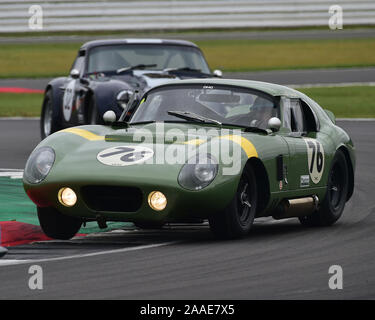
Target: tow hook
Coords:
[[102, 223]]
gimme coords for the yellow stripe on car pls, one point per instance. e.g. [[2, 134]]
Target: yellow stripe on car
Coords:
[[245, 144], [195, 142], [84, 134]]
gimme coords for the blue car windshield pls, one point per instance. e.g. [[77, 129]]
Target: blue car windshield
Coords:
[[110, 58], [224, 104]]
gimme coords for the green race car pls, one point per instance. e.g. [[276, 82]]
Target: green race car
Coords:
[[228, 151]]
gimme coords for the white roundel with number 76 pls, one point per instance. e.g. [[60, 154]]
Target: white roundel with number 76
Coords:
[[315, 159]]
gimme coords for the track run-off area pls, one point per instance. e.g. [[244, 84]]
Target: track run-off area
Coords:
[[278, 260]]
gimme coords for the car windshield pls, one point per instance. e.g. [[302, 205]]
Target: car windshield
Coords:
[[221, 104], [111, 58]]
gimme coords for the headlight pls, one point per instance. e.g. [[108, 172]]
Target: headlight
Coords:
[[157, 200], [39, 164], [198, 172], [123, 97], [67, 197]]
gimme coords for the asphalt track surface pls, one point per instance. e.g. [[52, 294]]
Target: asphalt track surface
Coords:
[[278, 260]]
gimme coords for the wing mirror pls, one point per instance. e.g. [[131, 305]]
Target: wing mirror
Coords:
[[274, 124], [218, 73], [109, 117], [74, 74]]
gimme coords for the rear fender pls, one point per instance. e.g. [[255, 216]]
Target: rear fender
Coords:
[[350, 159], [57, 95]]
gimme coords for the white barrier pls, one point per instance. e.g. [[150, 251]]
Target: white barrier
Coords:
[[59, 15]]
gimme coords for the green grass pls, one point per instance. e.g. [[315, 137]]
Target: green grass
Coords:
[[344, 102], [244, 55], [54, 59], [36, 60], [20, 104]]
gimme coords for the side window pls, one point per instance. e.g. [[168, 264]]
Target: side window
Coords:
[[298, 123], [311, 120], [298, 116], [286, 112], [294, 117]]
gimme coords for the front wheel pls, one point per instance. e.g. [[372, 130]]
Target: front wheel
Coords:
[[333, 204], [56, 225], [237, 218]]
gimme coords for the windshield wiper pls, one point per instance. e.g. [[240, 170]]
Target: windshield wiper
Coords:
[[246, 128], [138, 66], [142, 122], [192, 116], [182, 69]]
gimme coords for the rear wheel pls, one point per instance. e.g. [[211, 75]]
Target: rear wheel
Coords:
[[47, 123], [56, 225], [236, 220], [333, 205]]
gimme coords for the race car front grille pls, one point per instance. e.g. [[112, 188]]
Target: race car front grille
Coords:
[[113, 199]]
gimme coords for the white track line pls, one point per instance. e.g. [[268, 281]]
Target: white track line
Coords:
[[12, 173], [4, 262], [19, 118], [355, 119], [335, 85]]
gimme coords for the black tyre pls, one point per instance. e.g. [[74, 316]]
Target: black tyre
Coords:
[[333, 204], [236, 220], [92, 114], [149, 225], [56, 225], [47, 123]]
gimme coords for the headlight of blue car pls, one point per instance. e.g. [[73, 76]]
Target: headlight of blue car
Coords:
[[39, 164], [198, 172], [123, 97]]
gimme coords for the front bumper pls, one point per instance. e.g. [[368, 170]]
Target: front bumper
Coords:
[[181, 203]]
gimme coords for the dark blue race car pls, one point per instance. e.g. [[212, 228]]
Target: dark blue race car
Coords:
[[106, 74]]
